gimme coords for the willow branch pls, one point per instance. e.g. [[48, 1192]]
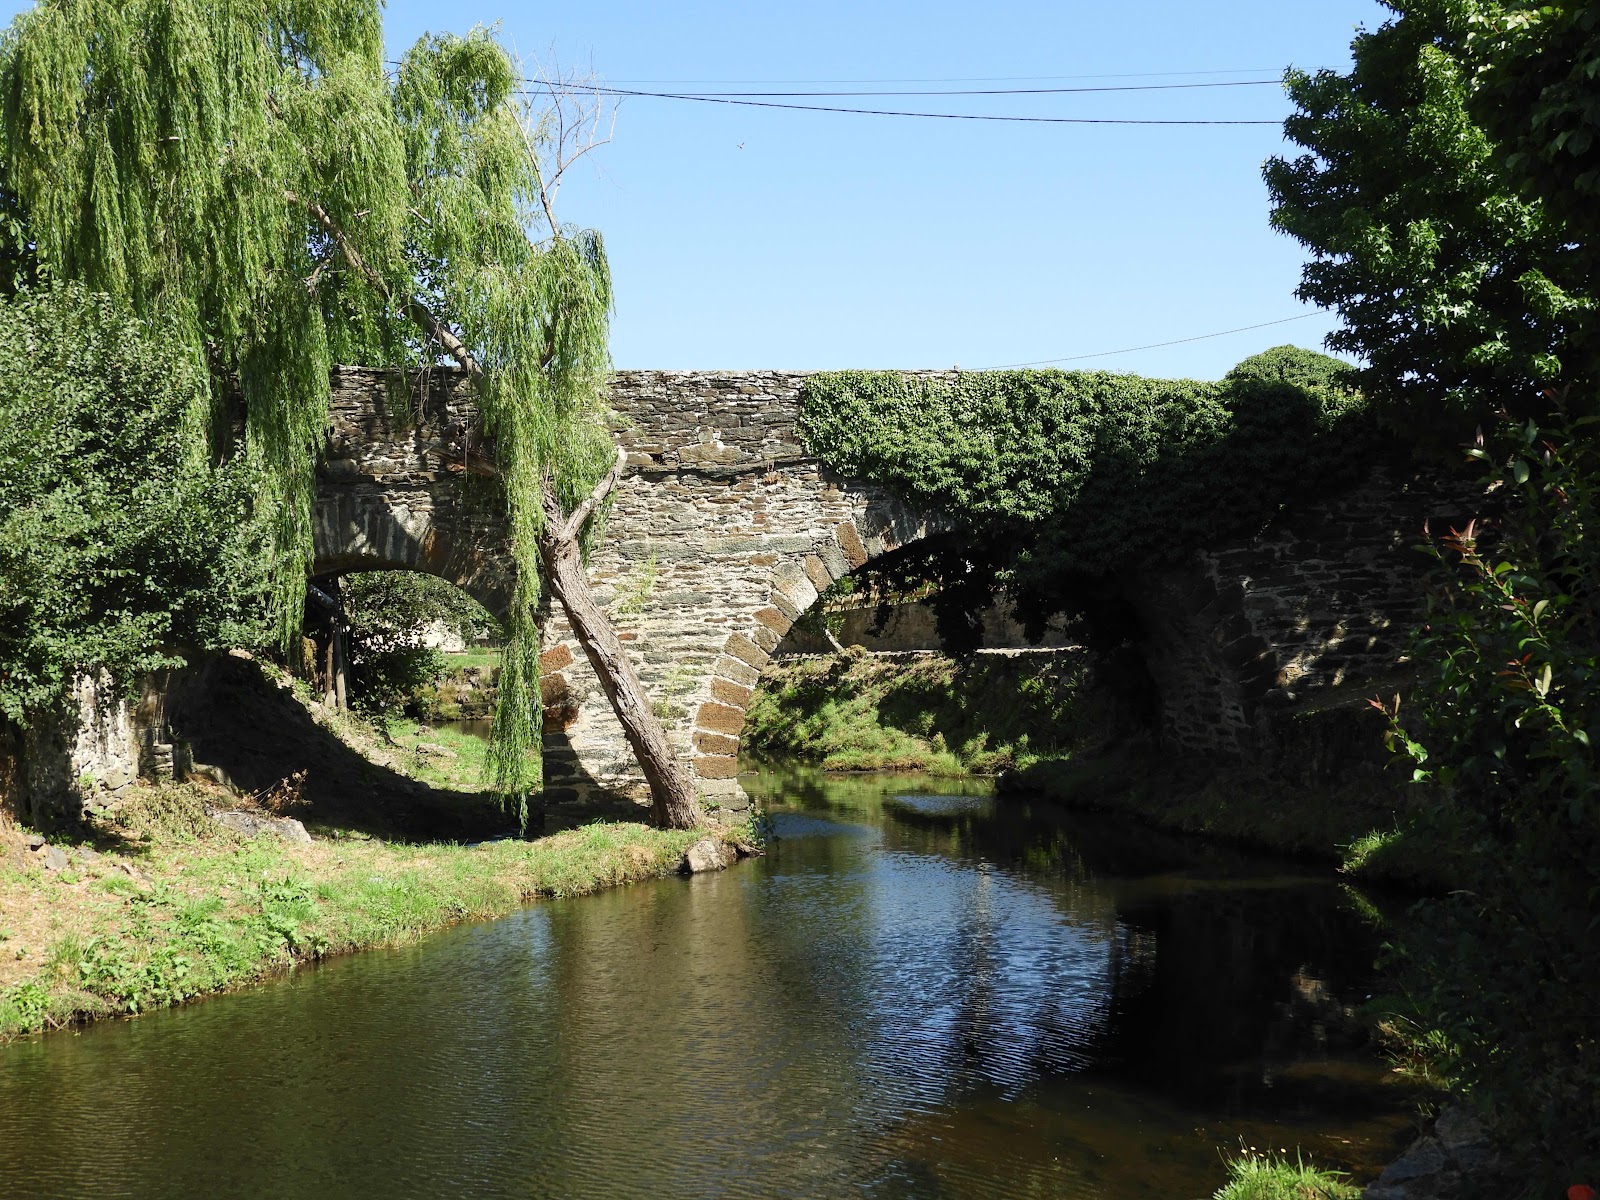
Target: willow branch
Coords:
[[452, 345]]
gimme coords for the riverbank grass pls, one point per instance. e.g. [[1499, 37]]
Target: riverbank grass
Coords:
[[166, 905], [933, 713], [1254, 1176], [441, 756]]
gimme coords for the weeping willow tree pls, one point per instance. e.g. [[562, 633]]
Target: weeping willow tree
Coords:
[[250, 175]]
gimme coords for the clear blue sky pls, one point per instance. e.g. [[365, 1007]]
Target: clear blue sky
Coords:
[[747, 237]]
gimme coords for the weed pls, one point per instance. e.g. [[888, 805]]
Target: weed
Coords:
[[1257, 1176]]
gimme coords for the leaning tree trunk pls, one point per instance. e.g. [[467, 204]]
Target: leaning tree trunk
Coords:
[[672, 793]]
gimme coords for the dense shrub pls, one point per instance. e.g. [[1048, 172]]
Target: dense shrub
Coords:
[[1107, 468], [119, 541], [388, 613], [1502, 740]]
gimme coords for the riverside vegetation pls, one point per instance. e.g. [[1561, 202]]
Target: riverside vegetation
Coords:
[[162, 905], [858, 712], [156, 902]]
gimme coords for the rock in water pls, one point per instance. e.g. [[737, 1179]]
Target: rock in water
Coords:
[[707, 854]]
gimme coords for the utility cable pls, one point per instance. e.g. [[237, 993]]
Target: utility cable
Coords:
[[889, 112], [1158, 345], [684, 83], [1038, 91]]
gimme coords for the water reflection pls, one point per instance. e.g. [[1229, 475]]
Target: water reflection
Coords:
[[918, 993]]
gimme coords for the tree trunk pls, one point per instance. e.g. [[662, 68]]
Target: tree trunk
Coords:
[[673, 800], [341, 650]]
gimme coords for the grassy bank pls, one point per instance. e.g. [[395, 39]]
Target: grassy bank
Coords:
[[440, 757], [163, 905], [931, 713]]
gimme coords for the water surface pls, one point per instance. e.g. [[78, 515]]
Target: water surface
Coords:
[[917, 993]]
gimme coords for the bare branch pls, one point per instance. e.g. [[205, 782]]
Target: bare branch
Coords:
[[583, 117], [574, 523]]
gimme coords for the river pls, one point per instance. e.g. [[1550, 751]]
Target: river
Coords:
[[920, 991]]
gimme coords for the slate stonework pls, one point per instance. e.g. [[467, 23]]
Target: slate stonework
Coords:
[[724, 531], [722, 520]]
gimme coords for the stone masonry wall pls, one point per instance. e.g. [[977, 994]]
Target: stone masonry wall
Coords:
[[1327, 595], [721, 535], [723, 532], [397, 488]]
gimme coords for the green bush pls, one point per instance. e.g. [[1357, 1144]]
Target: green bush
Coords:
[[119, 541], [1501, 739], [387, 612]]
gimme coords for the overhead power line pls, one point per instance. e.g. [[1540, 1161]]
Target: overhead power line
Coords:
[[683, 83], [1037, 91], [1158, 345], [893, 112]]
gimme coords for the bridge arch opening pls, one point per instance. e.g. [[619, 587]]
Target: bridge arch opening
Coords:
[[914, 677], [381, 640]]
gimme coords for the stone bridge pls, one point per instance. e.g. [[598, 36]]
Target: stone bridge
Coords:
[[721, 534], [724, 531]]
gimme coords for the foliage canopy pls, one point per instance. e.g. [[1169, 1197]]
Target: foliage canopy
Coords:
[[250, 177], [119, 542], [1091, 470], [1460, 294]]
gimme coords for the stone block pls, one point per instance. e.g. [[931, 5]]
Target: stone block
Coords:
[[720, 718], [717, 767], [832, 556], [739, 672], [765, 638], [774, 619], [797, 589], [817, 572], [746, 651], [731, 693], [786, 606], [715, 743]]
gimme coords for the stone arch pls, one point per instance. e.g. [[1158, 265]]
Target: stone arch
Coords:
[[797, 583], [393, 488], [355, 530], [722, 606]]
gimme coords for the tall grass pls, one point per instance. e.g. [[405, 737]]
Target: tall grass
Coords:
[[1255, 1176]]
